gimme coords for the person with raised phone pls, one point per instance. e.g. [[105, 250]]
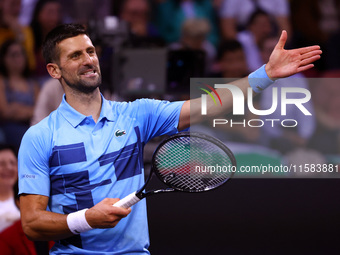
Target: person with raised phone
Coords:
[[76, 163]]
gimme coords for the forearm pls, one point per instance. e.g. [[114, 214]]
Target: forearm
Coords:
[[191, 112], [282, 63], [45, 226], [39, 224], [226, 99]]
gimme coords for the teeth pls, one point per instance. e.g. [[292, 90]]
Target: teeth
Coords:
[[89, 72]]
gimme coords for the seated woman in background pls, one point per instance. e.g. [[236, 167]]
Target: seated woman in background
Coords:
[[11, 29], [18, 92], [9, 212], [46, 16]]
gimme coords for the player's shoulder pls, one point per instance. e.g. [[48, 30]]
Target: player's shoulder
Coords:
[[42, 130], [135, 105], [145, 106], [47, 122]]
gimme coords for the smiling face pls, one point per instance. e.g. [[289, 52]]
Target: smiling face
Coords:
[[8, 169], [78, 65]]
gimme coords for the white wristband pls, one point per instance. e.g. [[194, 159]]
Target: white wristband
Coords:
[[77, 222]]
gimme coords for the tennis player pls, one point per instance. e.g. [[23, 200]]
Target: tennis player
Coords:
[[77, 162]]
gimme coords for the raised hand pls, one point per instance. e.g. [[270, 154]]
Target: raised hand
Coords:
[[283, 63]]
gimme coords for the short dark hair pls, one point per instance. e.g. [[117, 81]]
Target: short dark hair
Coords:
[[228, 46], [50, 50]]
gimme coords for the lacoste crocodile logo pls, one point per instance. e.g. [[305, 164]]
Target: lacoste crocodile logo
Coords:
[[119, 133]]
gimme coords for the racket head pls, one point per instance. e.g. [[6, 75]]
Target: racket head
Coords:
[[193, 162]]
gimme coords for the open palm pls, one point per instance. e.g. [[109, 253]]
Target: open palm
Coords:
[[283, 63]]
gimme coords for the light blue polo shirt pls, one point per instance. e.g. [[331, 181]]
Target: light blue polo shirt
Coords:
[[77, 163]]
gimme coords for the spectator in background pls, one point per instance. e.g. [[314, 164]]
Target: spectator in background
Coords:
[[172, 13], [231, 60], [194, 35], [277, 137], [13, 240], [233, 65], [234, 15], [318, 22], [26, 13], [326, 94], [18, 92], [137, 14], [80, 11], [46, 16], [10, 28], [49, 99], [259, 28], [9, 213], [83, 11]]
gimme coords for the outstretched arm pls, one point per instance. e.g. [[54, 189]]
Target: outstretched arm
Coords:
[[282, 63]]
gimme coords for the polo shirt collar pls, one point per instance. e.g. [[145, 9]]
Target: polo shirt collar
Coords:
[[75, 118], [107, 110]]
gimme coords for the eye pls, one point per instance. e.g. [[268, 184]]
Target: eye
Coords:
[[91, 51], [75, 55]]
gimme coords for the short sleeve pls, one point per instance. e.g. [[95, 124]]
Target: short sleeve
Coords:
[[33, 162], [158, 117]]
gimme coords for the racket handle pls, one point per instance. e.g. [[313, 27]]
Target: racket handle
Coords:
[[127, 201]]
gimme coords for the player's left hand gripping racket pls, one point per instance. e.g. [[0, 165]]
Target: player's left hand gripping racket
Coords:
[[188, 162]]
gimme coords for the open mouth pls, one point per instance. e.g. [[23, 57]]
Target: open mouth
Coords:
[[90, 73]]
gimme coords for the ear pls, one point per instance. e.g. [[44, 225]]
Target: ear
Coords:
[[54, 70]]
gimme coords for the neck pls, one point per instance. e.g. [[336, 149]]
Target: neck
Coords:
[[86, 104]]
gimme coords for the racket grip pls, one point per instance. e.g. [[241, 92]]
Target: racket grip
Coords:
[[127, 201]]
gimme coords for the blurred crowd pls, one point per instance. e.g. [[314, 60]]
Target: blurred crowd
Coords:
[[233, 37]]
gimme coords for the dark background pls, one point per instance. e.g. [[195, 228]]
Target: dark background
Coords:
[[249, 216]]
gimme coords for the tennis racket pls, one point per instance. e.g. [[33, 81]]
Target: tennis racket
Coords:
[[187, 162]]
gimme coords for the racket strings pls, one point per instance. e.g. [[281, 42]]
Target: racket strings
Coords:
[[193, 164]]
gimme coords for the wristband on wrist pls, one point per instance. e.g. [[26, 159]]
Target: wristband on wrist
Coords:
[[259, 80], [77, 222]]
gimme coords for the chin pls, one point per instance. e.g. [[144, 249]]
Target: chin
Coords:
[[88, 89]]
